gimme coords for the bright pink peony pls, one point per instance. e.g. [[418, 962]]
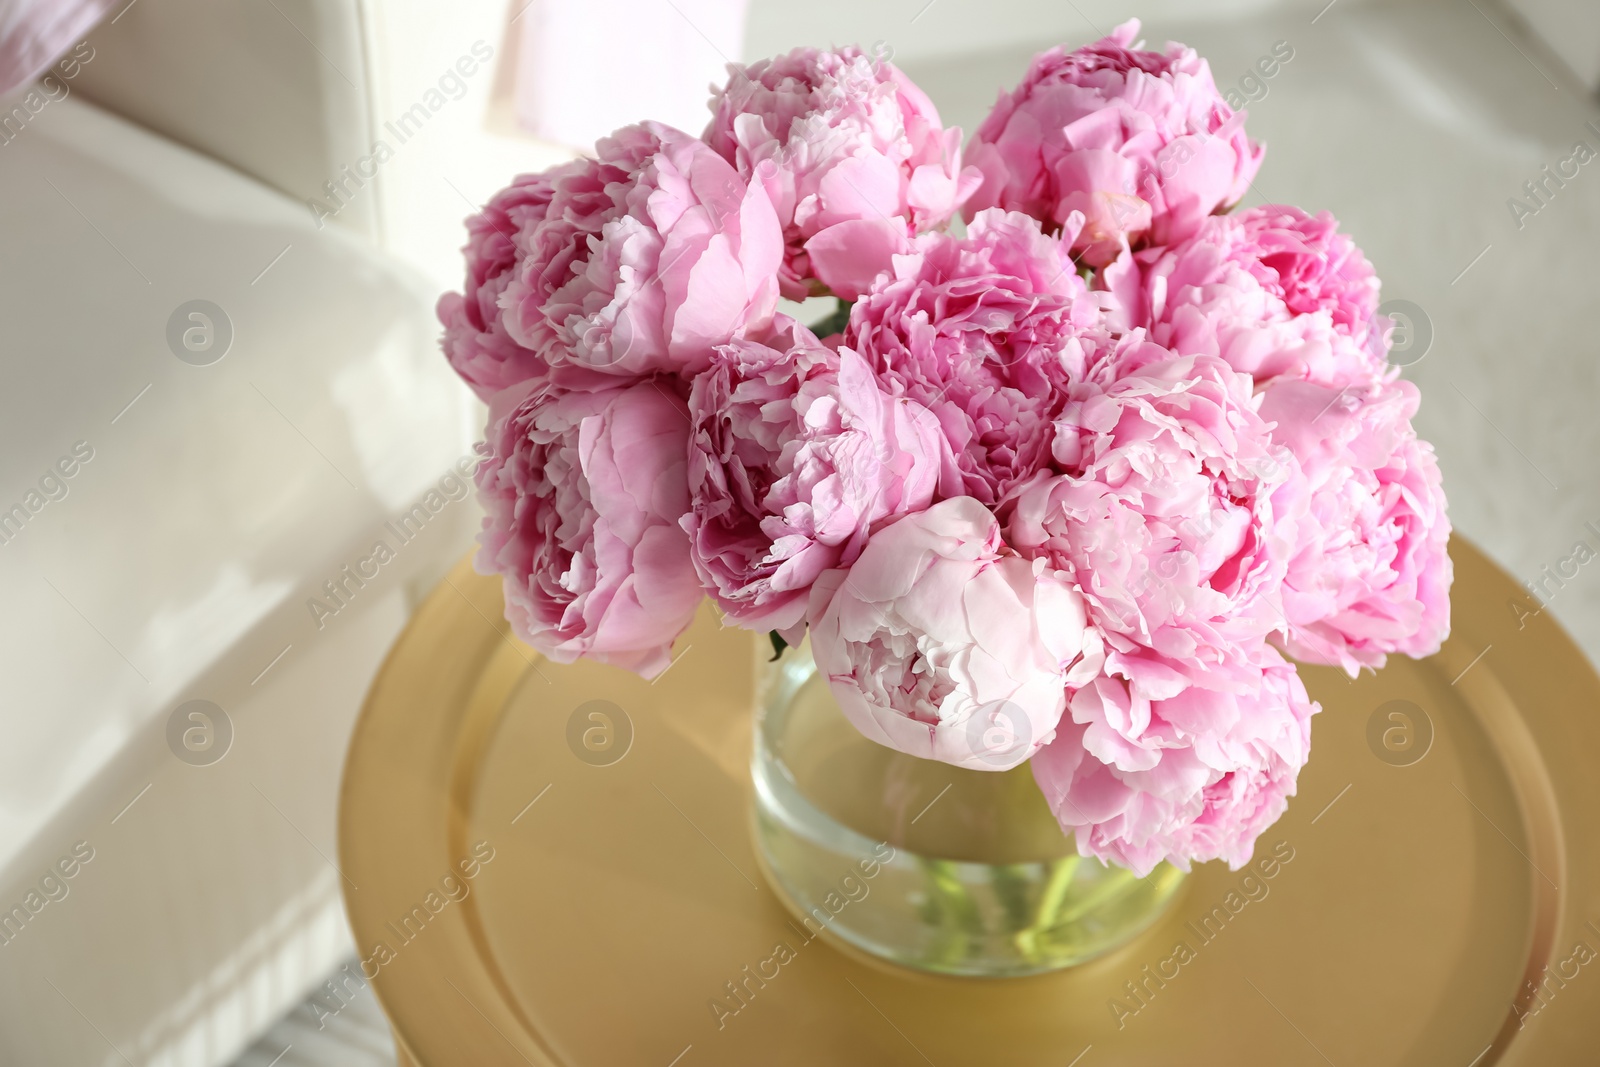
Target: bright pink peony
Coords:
[[646, 259], [987, 331], [583, 484], [1195, 776], [1371, 571], [856, 161], [937, 644], [795, 454], [1277, 294], [1175, 517], [1140, 142], [475, 338]]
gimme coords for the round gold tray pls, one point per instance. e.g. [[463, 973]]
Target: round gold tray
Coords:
[[1431, 897]]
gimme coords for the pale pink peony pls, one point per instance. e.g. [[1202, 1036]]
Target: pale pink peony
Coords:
[[1140, 142], [1192, 777], [939, 644], [647, 259], [987, 331], [1242, 289], [855, 160], [1371, 571], [794, 456], [1307, 263], [583, 483], [1175, 516], [553, 245], [475, 338]]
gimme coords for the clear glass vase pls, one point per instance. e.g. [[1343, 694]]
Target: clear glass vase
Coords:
[[930, 866]]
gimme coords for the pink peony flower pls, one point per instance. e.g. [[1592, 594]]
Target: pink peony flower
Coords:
[[1140, 142], [987, 331], [647, 258], [1175, 517], [1017, 517], [1276, 293], [1307, 263], [938, 644], [583, 484], [1371, 571], [795, 455], [1195, 776], [475, 339], [850, 151]]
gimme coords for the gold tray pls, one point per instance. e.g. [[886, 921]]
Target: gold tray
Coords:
[[1440, 868]]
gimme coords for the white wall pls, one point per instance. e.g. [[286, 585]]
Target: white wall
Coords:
[[1570, 29], [918, 29]]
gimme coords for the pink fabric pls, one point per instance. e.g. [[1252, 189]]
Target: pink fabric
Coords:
[[585, 67], [35, 33]]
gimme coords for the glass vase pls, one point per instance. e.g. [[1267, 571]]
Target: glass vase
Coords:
[[928, 865]]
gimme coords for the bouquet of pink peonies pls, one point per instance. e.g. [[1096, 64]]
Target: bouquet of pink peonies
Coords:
[[1063, 484]]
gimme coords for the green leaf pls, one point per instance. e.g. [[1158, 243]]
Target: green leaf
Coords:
[[778, 645], [834, 323]]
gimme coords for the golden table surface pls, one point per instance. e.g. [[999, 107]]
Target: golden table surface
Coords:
[[515, 903]]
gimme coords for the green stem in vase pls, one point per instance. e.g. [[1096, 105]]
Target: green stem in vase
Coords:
[[1112, 885], [958, 912], [1011, 884], [1056, 887]]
